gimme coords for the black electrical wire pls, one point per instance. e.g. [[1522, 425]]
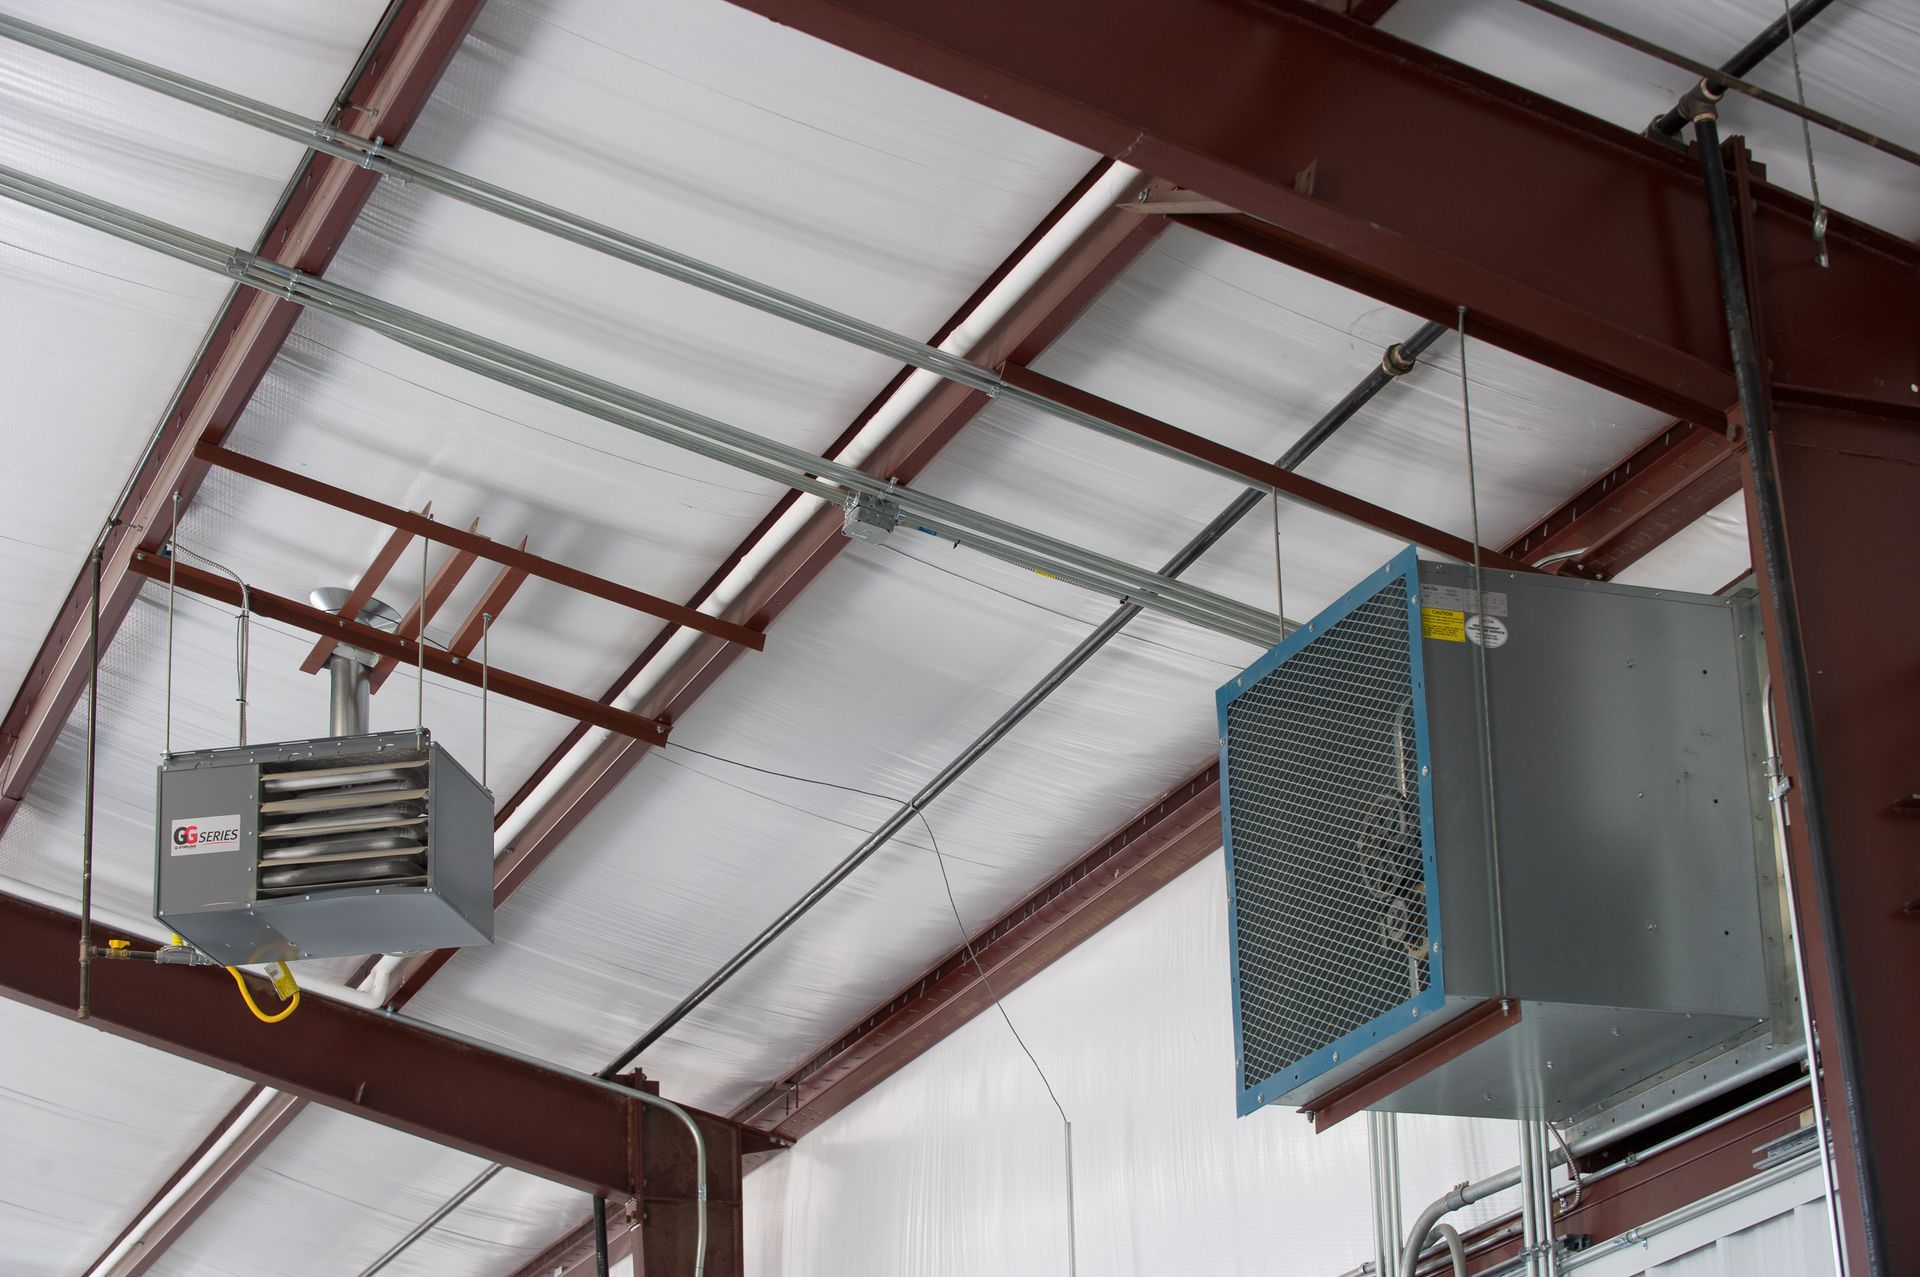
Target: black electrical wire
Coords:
[[1397, 361], [966, 941], [939, 858]]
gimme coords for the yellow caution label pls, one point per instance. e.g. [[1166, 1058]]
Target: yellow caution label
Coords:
[[1444, 624]]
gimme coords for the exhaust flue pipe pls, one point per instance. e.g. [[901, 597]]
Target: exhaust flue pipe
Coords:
[[348, 700], [350, 670]]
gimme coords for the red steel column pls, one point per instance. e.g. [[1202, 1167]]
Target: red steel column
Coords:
[[1850, 493]]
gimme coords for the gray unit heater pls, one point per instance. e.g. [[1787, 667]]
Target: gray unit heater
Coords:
[[313, 849], [1590, 867]]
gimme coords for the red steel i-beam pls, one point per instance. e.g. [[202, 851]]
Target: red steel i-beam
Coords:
[[1556, 230], [1849, 487], [326, 198], [540, 1120]]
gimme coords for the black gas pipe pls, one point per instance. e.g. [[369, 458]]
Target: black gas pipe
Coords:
[[1756, 411]]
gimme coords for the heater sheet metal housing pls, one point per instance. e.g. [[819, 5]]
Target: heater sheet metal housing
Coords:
[[208, 884], [1369, 903]]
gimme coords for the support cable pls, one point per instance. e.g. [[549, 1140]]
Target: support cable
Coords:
[[1392, 367], [173, 559], [242, 625], [486, 629], [1806, 135], [420, 657], [966, 944], [1484, 704]]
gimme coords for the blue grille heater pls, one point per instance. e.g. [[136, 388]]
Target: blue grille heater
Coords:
[[1371, 903]]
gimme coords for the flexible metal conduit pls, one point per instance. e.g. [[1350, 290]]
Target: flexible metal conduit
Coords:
[[372, 154], [755, 454], [1399, 359], [479, 1181], [1464, 1195]]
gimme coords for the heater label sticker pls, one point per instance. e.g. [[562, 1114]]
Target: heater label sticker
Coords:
[[1445, 624], [198, 835], [1453, 596], [1488, 631]]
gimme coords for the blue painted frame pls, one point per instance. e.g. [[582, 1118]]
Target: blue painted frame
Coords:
[[1404, 566]]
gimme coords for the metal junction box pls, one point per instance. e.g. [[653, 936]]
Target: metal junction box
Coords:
[[323, 848], [1592, 861]]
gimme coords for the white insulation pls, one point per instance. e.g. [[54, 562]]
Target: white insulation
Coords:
[[716, 132]]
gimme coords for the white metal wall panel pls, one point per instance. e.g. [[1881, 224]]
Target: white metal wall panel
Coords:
[[1782, 1230], [954, 1165]]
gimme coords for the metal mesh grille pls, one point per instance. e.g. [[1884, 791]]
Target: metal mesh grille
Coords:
[[1328, 855]]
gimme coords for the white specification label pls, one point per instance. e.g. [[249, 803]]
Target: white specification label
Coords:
[[198, 835], [1461, 600], [1488, 631]]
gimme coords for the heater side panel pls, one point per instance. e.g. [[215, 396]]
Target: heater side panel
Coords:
[[1625, 829]]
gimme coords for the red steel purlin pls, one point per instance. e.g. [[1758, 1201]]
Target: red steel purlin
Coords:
[[362, 592], [471, 543], [1171, 836], [327, 197], [437, 590], [1260, 473], [1669, 482], [399, 648]]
